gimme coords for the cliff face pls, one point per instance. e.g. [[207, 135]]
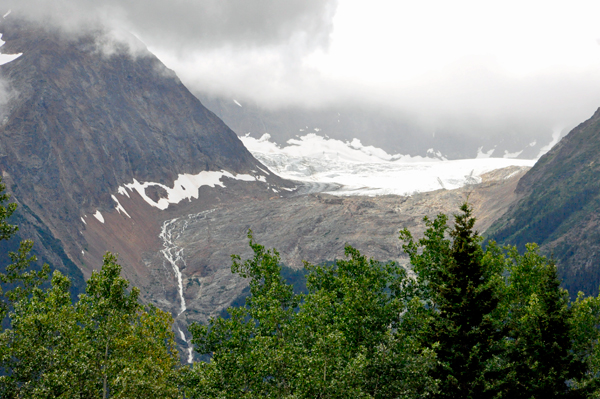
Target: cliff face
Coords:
[[82, 123], [559, 208], [82, 117]]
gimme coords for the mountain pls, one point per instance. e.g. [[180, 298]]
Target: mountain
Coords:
[[104, 149], [83, 116], [559, 208]]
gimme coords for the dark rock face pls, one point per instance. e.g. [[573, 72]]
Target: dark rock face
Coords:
[[81, 122], [560, 208]]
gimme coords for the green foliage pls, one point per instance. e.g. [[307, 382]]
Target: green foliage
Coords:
[[105, 345], [462, 285], [19, 278], [539, 358], [502, 325], [251, 351], [6, 230], [467, 322], [471, 323], [585, 332], [356, 325], [16, 275], [344, 338]]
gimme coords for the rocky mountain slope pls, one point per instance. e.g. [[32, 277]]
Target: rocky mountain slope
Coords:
[[559, 208], [313, 227], [85, 115]]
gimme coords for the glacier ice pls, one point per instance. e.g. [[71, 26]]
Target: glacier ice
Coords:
[[367, 170]]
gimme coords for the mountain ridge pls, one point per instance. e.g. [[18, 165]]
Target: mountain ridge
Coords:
[[559, 208], [80, 123]]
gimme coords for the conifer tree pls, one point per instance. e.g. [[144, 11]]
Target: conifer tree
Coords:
[[463, 291], [539, 351]]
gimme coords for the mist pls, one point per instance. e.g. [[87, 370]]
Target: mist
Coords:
[[520, 69]]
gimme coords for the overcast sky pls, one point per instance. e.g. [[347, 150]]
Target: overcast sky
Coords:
[[533, 61]]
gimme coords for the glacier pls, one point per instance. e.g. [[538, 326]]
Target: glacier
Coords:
[[366, 170]]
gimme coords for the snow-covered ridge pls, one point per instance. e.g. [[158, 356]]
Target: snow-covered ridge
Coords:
[[367, 170]]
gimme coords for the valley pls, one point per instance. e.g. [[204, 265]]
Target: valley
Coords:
[[113, 153], [186, 261], [300, 199]]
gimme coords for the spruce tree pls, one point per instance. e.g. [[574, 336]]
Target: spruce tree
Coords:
[[463, 291], [539, 351]]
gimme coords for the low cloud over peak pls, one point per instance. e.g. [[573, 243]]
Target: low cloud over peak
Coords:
[[189, 25], [466, 68]]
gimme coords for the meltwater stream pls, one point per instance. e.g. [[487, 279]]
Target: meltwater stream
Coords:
[[172, 253], [190, 348], [171, 230]]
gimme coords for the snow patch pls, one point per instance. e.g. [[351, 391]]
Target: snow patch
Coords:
[[483, 155], [6, 58], [555, 138], [119, 207], [83, 220], [436, 154], [123, 192], [185, 187], [245, 177], [512, 174], [511, 154], [264, 171], [99, 216]]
